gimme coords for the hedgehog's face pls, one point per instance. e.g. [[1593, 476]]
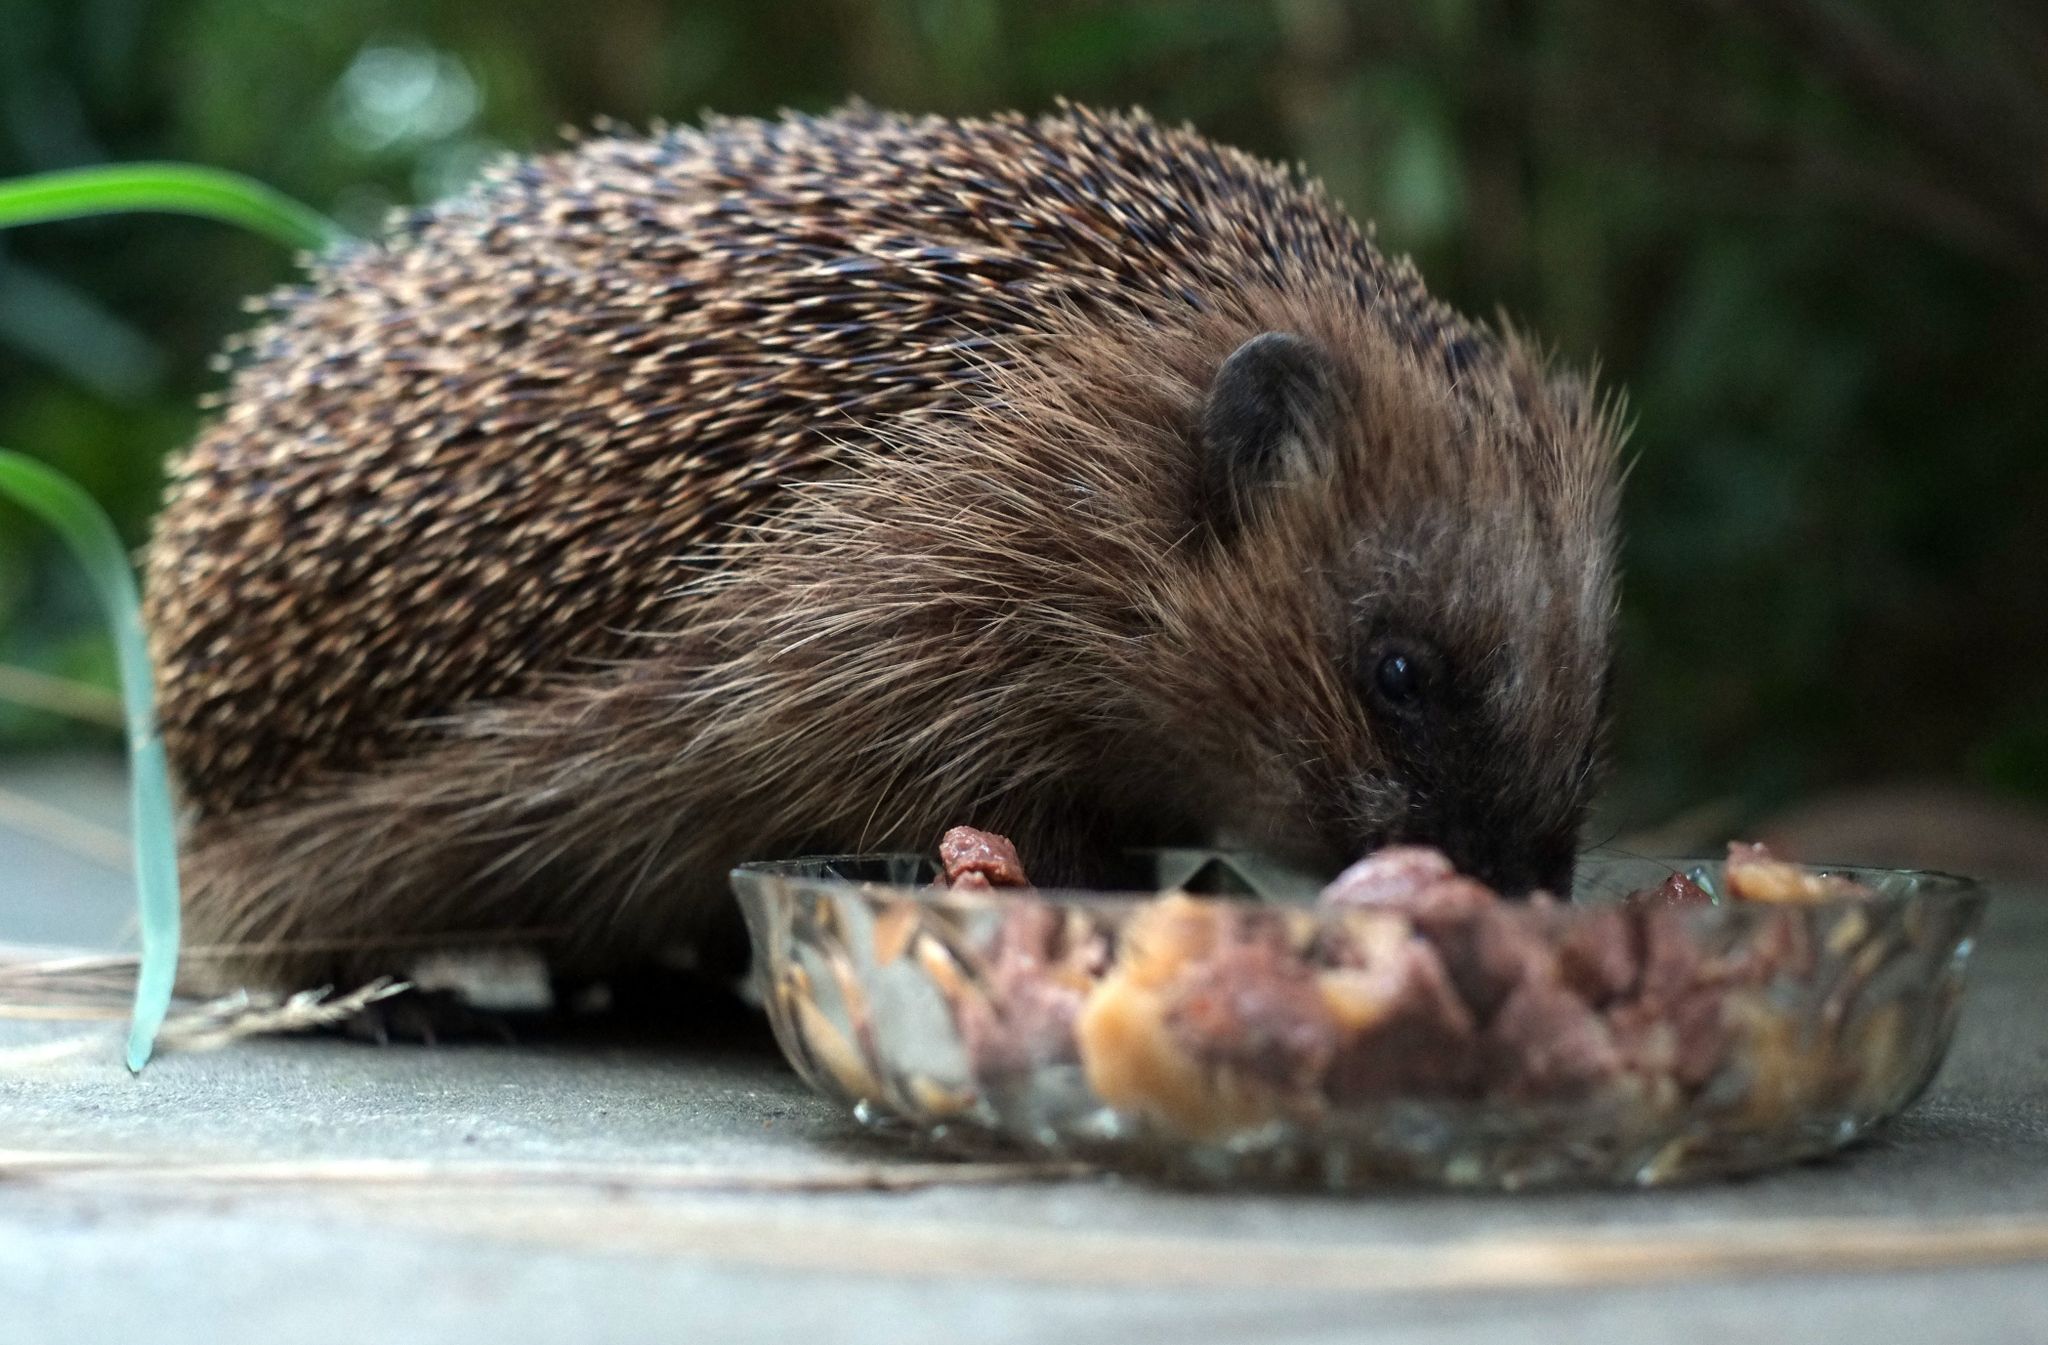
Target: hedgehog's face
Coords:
[[1405, 613]]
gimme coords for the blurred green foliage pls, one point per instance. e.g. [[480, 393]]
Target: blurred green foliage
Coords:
[[1808, 239]]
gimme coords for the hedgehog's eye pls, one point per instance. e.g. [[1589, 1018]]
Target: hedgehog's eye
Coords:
[[1397, 680], [1397, 677]]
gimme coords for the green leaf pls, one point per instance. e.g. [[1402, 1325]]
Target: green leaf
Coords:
[[169, 187], [91, 536]]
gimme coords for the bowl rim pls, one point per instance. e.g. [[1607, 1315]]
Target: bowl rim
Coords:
[[1929, 884]]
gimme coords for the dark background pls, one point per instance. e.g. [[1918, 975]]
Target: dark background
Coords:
[[1810, 240]]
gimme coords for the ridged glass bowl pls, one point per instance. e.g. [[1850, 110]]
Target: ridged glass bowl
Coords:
[[1247, 1036]]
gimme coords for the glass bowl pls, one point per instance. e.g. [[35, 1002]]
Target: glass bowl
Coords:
[[1245, 1035]]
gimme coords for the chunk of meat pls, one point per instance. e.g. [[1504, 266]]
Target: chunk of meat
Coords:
[[1391, 877], [980, 859], [1753, 873]]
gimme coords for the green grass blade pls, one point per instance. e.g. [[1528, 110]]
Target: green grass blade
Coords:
[[170, 187], [91, 536], [177, 189]]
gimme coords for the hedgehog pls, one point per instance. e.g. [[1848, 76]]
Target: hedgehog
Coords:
[[813, 484]]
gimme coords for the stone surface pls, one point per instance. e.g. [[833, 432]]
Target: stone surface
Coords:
[[174, 1254]]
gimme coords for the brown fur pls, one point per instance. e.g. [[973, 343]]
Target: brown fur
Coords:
[[821, 484]]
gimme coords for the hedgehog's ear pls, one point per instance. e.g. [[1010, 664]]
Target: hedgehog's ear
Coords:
[[1265, 425]]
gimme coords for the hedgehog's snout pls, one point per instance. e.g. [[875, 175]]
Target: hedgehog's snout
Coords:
[[1517, 864]]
